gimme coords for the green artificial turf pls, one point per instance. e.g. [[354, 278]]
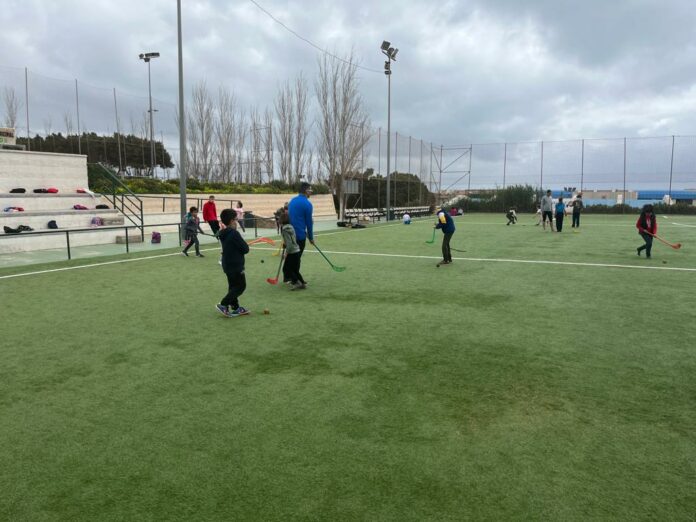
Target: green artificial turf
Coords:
[[393, 391]]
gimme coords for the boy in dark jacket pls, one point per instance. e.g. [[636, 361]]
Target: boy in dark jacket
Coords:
[[191, 229], [234, 248]]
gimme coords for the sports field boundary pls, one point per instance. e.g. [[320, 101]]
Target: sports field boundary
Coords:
[[372, 254]]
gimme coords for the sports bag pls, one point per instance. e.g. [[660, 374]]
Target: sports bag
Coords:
[[52, 224], [156, 238], [18, 191], [97, 222]]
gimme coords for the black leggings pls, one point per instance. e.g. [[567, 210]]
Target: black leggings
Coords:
[[193, 240], [446, 252], [236, 284], [648, 243], [559, 221], [576, 220], [214, 226]]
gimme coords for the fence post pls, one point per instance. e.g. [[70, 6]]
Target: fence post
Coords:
[[671, 167], [471, 153], [127, 245], [67, 240], [77, 108], [164, 201], [541, 181], [582, 166], [623, 206], [178, 226], [504, 164], [26, 101], [256, 227]]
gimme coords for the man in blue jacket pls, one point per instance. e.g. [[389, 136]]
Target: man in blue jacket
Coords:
[[446, 223], [300, 210]]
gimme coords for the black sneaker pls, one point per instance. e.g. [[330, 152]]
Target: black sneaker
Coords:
[[200, 255], [638, 251], [184, 253]]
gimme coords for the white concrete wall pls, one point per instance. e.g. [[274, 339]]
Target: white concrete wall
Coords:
[[30, 170]]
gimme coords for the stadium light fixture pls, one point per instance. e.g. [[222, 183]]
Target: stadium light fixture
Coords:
[[146, 57], [390, 52]]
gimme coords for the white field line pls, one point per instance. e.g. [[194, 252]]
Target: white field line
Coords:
[[684, 225], [372, 254]]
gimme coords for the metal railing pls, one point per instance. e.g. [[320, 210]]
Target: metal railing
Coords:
[[126, 228], [123, 198]]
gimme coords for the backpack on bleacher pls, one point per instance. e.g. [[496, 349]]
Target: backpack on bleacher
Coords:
[[52, 224], [156, 238], [97, 222], [18, 191]]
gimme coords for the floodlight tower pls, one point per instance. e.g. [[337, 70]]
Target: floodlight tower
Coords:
[[146, 57], [390, 52]]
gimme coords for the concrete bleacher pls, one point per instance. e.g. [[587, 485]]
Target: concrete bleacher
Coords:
[[376, 214], [67, 173]]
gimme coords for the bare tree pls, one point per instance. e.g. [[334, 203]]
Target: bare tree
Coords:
[[202, 130], [225, 129], [12, 105], [68, 122], [342, 121], [267, 144], [301, 128], [285, 130]]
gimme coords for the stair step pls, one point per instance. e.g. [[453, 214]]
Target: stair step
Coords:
[[135, 237], [111, 221]]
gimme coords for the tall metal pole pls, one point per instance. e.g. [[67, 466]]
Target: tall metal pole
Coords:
[[408, 181], [471, 153], [77, 108], [26, 102], [541, 180], [582, 166], [671, 167], [152, 132], [504, 164], [388, 136], [439, 186], [182, 125], [420, 173], [118, 133], [624, 179], [396, 164]]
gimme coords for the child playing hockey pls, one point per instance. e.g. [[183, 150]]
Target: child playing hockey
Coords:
[[191, 230], [291, 268], [511, 216], [647, 228], [446, 223], [234, 248]]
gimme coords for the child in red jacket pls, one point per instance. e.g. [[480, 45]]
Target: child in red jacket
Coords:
[[647, 228]]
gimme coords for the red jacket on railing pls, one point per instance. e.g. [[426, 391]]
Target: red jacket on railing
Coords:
[[209, 211]]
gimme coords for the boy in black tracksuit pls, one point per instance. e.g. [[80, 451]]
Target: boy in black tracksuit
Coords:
[[234, 248]]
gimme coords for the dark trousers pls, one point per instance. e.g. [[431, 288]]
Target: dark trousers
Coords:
[[214, 226], [576, 220], [236, 284], [286, 277], [648, 243], [193, 240], [291, 268], [446, 252], [559, 222]]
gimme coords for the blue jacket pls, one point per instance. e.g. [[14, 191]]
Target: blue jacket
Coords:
[[560, 208], [445, 222], [300, 210]]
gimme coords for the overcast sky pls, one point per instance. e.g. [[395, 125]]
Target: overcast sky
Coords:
[[468, 71]]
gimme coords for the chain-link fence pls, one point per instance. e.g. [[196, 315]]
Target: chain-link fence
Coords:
[[97, 119]]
